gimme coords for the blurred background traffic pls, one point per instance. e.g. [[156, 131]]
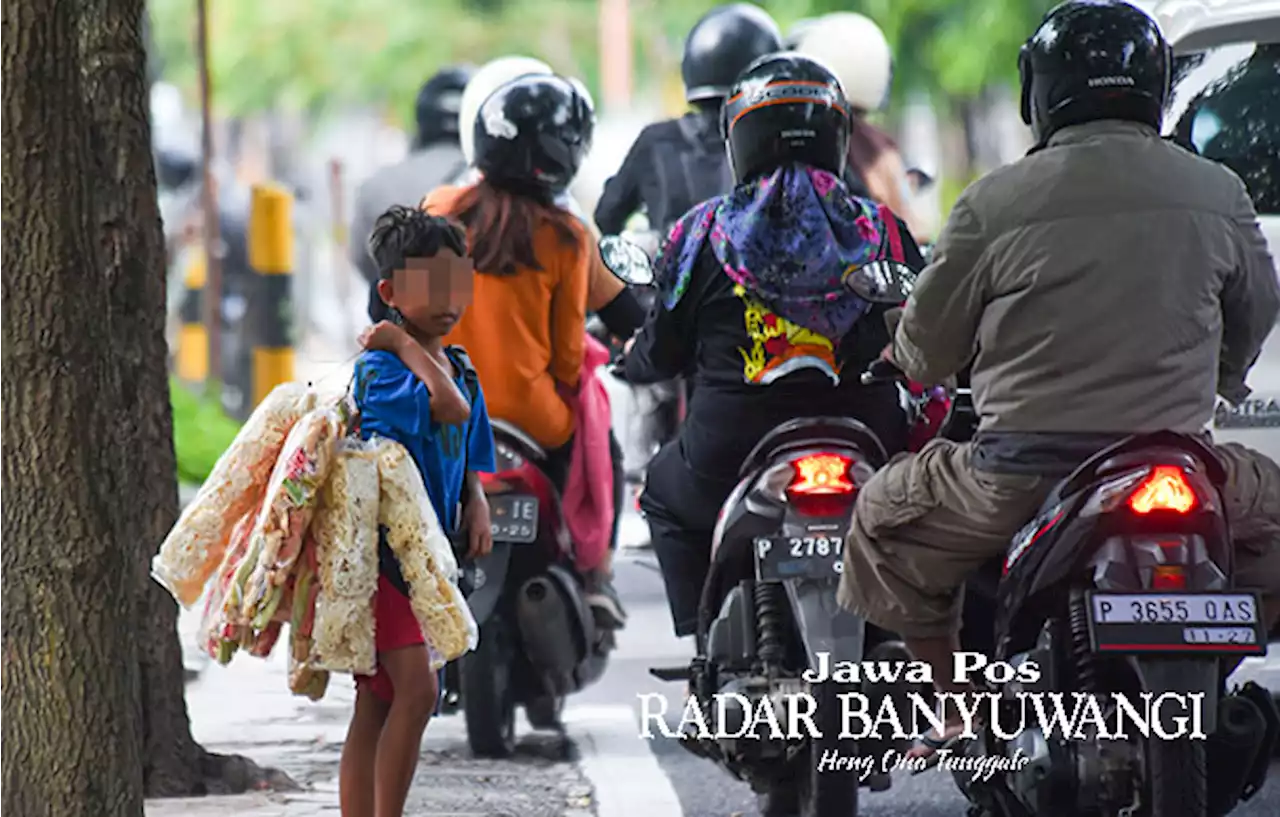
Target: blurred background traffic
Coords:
[[307, 98]]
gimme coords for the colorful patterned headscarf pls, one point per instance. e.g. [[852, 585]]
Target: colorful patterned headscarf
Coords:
[[790, 238]]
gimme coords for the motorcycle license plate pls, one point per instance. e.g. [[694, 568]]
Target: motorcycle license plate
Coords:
[[1176, 622], [799, 557], [513, 518]]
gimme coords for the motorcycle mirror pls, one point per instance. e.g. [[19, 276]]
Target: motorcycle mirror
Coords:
[[626, 260], [882, 282]]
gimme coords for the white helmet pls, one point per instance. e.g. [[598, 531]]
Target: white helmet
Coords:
[[488, 79], [856, 51], [797, 32]]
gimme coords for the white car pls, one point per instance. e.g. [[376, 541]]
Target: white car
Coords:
[[1226, 102]]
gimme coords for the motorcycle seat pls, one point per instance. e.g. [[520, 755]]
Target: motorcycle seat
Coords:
[[1159, 448], [815, 432], [529, 446]]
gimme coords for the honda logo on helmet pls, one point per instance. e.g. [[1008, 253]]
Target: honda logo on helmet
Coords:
[[1111, 82]]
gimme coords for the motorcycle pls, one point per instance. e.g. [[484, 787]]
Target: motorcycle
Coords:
[[768, 608], [1122, 583], [539, 642]]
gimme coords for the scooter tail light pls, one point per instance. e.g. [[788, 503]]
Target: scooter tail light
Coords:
[[494, 484], [508, 473], [821, 484], [1165, 489], [821, 474], [1111, 494], [1169, 577]]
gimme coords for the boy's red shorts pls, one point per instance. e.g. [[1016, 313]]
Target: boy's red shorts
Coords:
[[395, 627]]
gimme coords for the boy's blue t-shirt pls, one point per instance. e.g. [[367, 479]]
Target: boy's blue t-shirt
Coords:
[[396, 405]]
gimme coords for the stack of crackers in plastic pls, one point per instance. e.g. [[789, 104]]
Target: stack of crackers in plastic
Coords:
[[285, 531]]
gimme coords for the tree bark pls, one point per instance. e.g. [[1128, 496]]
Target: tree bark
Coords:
[[131, 241], [127, 224], [70, 670]]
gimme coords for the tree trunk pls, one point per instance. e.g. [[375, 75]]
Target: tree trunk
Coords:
[[70, 669], [130, 235]]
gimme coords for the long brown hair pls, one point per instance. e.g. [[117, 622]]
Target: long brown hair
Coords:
[[501, 225]]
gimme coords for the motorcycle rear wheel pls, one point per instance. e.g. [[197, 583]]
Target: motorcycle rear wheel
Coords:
[[1177, 778], [834, 792], [488, 701]]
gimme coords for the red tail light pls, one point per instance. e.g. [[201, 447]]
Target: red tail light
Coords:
[[821, 485], [1164, 489], [1169, 577], [821, 474]]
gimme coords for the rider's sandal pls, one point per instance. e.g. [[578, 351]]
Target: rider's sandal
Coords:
[[937, 745]]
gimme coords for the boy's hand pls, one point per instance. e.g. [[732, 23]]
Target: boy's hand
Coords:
[[479, 531], [384, 336]]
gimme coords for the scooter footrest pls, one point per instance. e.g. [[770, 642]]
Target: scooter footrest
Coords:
[[671, 673]]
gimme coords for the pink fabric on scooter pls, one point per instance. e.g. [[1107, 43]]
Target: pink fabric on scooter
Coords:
[[588, 493]]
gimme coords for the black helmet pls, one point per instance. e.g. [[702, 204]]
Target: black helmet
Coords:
[[725, 41], [785, 108], [1093, 59], [436, 109], [532, 133]]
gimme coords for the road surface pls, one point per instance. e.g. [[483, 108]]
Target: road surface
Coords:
[[702, 789], [602, 767]]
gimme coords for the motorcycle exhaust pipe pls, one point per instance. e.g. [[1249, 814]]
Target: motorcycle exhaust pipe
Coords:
[[549, 632], [1232, 751]]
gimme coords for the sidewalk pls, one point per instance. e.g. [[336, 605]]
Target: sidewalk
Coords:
[[246, 709]]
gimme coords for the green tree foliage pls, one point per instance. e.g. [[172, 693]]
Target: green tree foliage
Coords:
[[952, 48], [307, 54]]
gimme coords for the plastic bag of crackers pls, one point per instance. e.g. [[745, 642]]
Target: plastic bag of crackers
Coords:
[[426, 558], [197, 544]]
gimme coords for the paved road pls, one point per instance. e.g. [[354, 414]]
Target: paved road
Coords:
[[703, 790], [603, 768]]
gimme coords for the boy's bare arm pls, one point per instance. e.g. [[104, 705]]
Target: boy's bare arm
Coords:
[[448, 405], [476, 507]]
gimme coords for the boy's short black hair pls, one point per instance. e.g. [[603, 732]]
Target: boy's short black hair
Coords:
[[402, 233]]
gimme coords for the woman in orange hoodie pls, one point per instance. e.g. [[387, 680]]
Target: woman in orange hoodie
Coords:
[[526, 328]]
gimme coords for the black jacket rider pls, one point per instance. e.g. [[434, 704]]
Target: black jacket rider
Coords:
[[705, 338], [673, 165]]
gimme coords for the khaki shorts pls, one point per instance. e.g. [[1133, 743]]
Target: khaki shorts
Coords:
[[926, 521]]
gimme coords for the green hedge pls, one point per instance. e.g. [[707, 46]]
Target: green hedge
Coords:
[[201, 432]]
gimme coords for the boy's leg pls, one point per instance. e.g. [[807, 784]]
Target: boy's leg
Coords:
[[360, 752], [415, 693]]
